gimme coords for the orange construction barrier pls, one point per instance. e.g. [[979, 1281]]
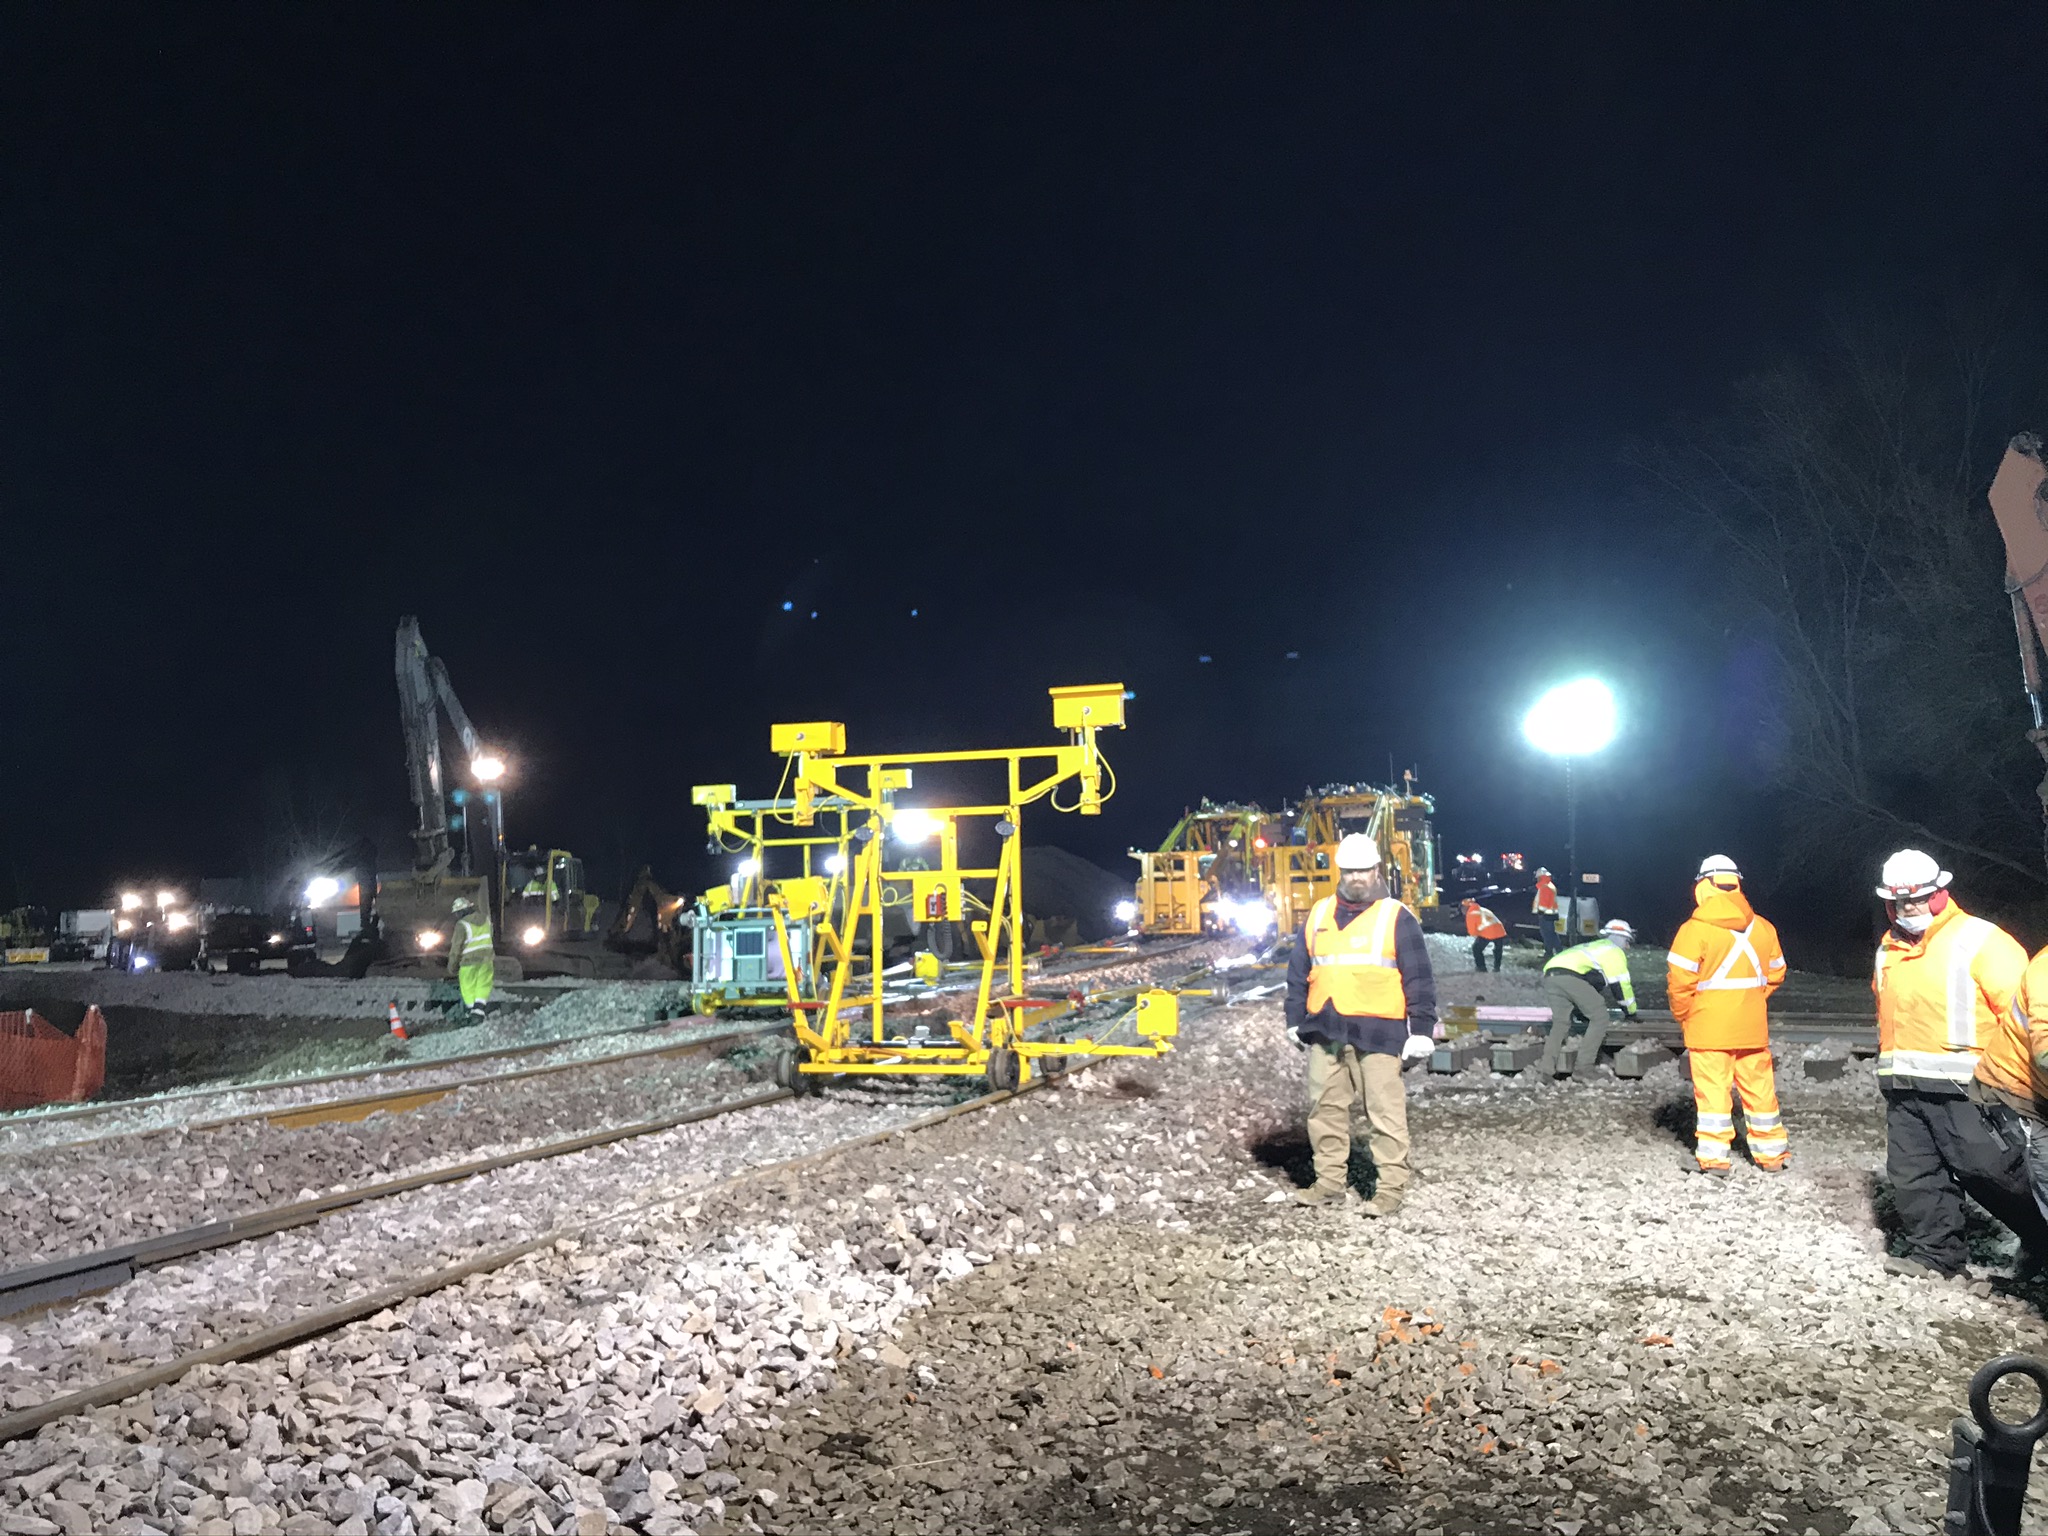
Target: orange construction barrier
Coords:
[[40, 1064]]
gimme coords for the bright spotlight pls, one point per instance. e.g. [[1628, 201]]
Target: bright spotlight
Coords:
[[1126, 911], [130, 900], [322, 889], [166, 898], [488, 767], [428, 939], [533, 936], [913, 826], [749, 868], [835, 864], [178, 922], [1572, 719]]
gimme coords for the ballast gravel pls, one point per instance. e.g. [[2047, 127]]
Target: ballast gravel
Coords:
[[1097, 1308]]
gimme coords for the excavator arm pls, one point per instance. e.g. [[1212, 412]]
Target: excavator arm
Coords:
[[2019, 500]]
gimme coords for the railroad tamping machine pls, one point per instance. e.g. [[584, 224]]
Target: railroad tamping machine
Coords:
[[1008, 1038]]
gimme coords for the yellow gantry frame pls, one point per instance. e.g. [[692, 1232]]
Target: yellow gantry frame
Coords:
[[749, 822], [820, 770]]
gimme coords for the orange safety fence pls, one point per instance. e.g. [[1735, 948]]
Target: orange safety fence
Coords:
[[40, 1064]]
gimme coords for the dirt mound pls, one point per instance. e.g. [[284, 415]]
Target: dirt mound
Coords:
[[1059, 885]]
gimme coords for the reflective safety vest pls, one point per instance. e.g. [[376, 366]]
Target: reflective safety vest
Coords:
[[1546, 898], [1723, 965], [1603, 957], [1944, 999], [1482, 924], [473, 939], [1354, 967]]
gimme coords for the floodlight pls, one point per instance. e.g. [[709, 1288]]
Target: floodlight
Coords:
[[1572, 719]]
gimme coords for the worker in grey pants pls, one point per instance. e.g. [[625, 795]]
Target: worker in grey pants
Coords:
[[1584, 979]]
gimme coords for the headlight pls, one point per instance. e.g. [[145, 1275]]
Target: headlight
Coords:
[[912, 826], [130, 900], [166, 898], [533, 935], [321, 889], [835, 864], [749, 868], [1127, 911], [178, 922], [122, 925], [277, 938], [428, 939], [140, 962]]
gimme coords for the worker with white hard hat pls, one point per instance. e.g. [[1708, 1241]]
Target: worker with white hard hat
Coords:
[[472, 957], [1361, 999], [1720, 973], [1955, 1067], [1583, 982]]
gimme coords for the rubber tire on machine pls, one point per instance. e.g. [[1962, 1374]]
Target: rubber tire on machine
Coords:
[[1005, 1070]]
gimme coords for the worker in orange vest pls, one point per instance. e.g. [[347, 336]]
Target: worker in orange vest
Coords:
[[2030, 1013], [1948, 1045], [1544, 905], [1483, 928], [1722, 969]]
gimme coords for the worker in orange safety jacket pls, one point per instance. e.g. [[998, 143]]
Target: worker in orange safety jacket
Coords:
[[1948, 1045], [1722, 969], [2029, 1102], [1544, 905], [1483, 928]]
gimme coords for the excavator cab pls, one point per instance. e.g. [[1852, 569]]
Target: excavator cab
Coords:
[[545, 898]]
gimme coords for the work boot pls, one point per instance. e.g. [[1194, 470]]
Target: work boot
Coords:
[[1777, 1166], [1916, 1269], [1715, 1170], [1384, 1203], [1319, 1194]]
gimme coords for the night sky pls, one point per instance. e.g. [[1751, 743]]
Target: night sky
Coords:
[[1024, 345]]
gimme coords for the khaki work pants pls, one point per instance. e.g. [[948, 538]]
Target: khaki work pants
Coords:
[[1748, 1075], [1566, 991], [1338, 1076]]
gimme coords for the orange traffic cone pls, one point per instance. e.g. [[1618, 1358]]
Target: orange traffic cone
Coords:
[[397, 1025]]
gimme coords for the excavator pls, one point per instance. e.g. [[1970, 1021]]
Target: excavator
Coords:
[[2019, 500]]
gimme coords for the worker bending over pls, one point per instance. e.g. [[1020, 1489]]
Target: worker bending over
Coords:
[[1361, 998], [1483, 928], [1585, 979], [1723, 967], [1544, 905], [1954, 1066], [472, 958]]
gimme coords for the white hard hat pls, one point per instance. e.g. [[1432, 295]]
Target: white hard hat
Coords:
[[1717, 864], [1619, 931], [1909, 872], [1541, 870], [462, 904], [1357, 851]]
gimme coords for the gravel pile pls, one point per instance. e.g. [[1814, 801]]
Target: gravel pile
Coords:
[[76, 1199], [1098, 1309]]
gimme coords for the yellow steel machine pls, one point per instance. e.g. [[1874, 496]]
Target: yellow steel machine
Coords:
[[743, 929], [1208, 875], [845, 1030], [1302, 869]]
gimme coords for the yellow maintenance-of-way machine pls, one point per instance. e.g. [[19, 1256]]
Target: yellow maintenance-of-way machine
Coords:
[[844, 1029]]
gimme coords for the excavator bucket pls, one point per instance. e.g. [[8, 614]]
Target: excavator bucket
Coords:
[[2018, 502], [40, 1064]]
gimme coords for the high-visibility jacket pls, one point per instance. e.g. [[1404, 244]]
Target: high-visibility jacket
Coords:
[[2030, 1014], [1545, 900], [1354, 966], [1723, 966], [1945, 1000], [470, 953], [1599, 957], [1482, 924]]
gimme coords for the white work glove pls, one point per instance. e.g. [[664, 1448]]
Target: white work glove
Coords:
[[1418, 1048], [1295, 1035]]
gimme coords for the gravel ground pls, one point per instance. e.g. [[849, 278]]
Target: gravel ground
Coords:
[[1521, 980], [76, 1199], [1094, 1309]]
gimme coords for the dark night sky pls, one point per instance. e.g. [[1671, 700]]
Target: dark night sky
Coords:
[[1104, 337]]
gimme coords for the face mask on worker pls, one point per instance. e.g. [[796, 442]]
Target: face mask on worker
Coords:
[[1917, 923]]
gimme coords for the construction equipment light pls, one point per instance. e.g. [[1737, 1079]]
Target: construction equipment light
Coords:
[[428, 939], [122, 925], [533, 935], [178, 922], [322, 889], [130, 900], [488, 767], [913, 826], [140, 963], [835, 864], [166, 898], [277, 938], [1572, 719], [749, 868], [1126, 911]]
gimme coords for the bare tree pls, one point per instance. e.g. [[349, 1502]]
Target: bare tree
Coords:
[[1844, 498]]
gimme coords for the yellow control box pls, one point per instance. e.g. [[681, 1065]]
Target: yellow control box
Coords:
[[821, 738], [714, 794], [1092, 704]]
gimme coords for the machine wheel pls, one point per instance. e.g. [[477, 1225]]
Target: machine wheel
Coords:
[[1005, 1070], [787, 1076], [1052, 1066]]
